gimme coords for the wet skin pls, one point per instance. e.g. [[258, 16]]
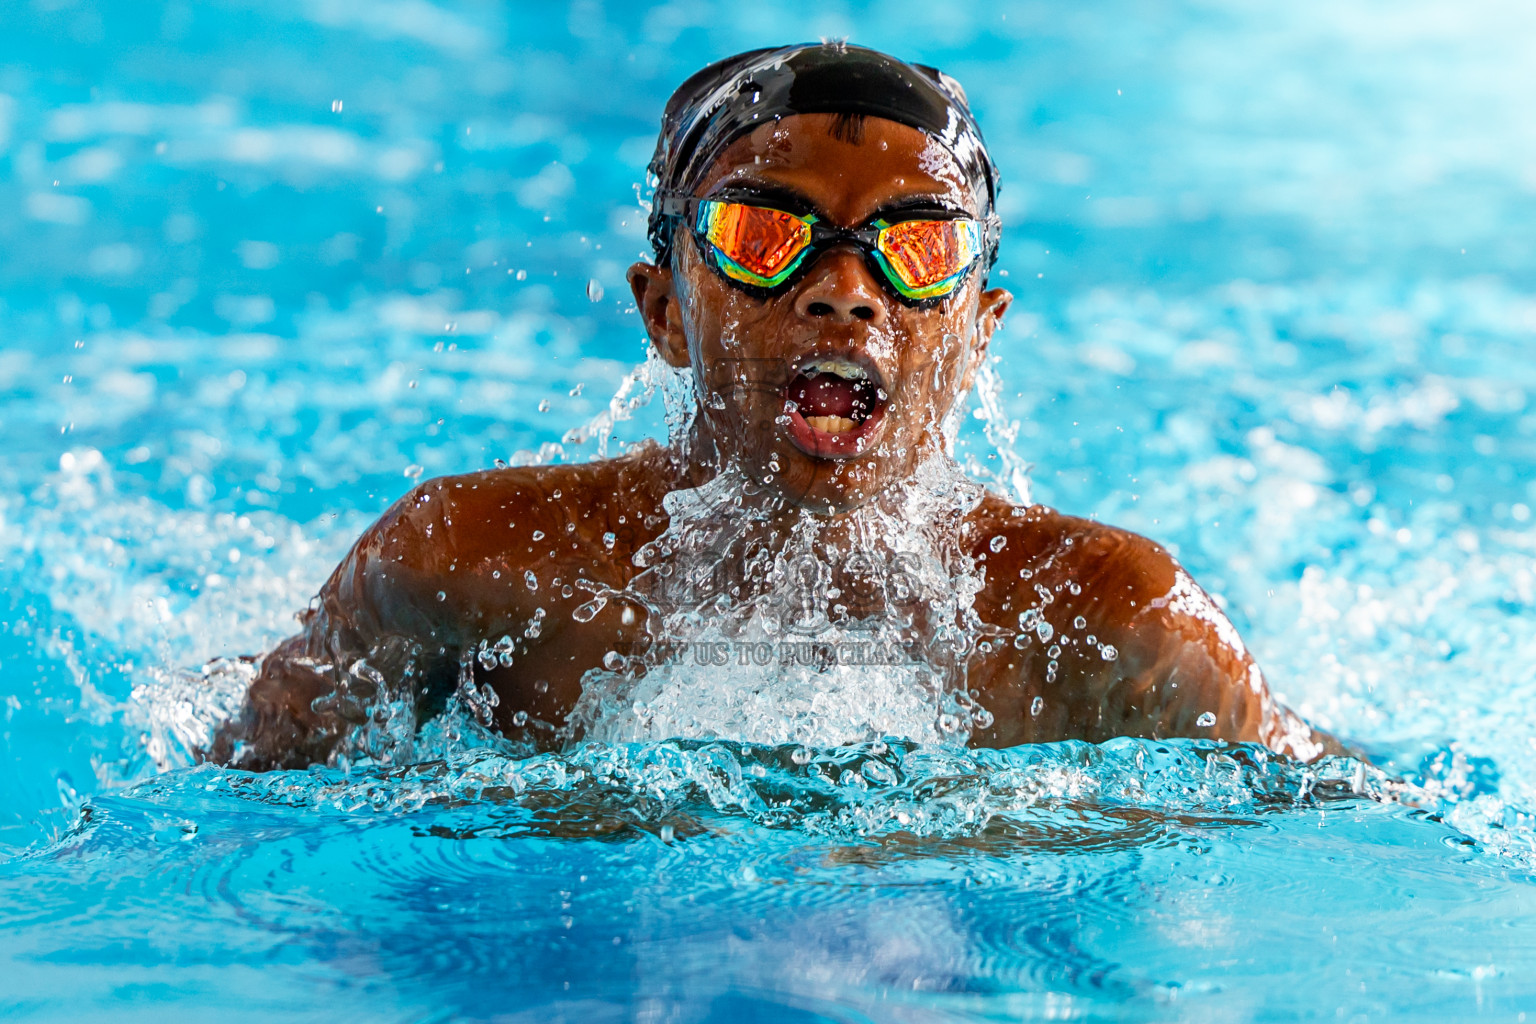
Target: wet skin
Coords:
[[449, 564]]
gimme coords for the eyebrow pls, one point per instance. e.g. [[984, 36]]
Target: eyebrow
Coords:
[[797, 202]]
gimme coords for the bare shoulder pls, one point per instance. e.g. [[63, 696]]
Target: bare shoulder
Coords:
[[445, 555], [455, 522], [1109, 636], [1034, 555]]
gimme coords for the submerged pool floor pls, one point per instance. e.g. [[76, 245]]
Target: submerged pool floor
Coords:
[[263, 265]]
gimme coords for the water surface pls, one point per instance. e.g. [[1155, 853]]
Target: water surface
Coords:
[[261, 265]]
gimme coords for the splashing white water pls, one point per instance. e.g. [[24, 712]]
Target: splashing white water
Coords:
[[827, 632]]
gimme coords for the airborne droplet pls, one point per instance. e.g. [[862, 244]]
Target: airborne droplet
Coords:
[[588, 611]]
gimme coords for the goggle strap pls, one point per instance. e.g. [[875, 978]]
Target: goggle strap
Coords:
[[677, 206]]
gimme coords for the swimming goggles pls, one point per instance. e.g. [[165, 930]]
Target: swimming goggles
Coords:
[[923, 257]]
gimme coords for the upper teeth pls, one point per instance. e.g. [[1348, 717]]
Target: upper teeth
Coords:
[[841, 367]]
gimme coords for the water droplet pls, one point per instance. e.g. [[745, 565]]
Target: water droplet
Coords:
[[588, 611], [531, 580], [521, 275], [520, 718], [413, 471], [668, 833], [613, 661], [595, 290], [609, 540], [1035, 707], [998, 543], [575, 392], [1206, 720], [1108, 652], [800, 755], [878, 772], [538, 534], [1054, 651], [543, 405], [442, 595], [1079, 622], [541, 686]]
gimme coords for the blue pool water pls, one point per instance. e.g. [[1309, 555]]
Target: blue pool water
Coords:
[[261, 264]]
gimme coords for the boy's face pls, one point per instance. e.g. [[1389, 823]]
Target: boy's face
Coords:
[[838, 341]]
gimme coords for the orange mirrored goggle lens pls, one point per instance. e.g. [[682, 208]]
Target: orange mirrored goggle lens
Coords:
[[926, 258], [755, 244]]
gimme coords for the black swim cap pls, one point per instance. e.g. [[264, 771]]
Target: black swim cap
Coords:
[[730, 98]]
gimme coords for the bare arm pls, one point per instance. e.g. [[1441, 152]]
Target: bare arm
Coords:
[[370, 638], [501, 557], [1117, 640]]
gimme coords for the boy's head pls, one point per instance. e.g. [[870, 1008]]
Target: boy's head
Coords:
[[823, 224]]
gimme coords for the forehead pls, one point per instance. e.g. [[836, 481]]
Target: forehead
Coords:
[[848, 174]]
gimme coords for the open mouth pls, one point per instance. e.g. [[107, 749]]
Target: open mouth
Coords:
[[834, 407]]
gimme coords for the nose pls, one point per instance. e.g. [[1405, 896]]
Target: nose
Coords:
[[841, 290]]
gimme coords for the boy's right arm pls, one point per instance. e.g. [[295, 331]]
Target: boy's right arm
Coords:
[[372, 630]]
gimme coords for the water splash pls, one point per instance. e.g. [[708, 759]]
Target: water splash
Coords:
[[1011, 475], [881, 787], [772, 625]]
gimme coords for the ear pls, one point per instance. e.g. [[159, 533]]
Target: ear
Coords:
[[991, 307], [656, 299]]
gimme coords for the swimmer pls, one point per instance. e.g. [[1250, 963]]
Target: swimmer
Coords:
[[823, 228]]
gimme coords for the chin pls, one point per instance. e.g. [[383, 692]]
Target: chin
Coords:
[[811, 485]]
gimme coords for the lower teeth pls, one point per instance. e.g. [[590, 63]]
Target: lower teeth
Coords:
[[831, 424]]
